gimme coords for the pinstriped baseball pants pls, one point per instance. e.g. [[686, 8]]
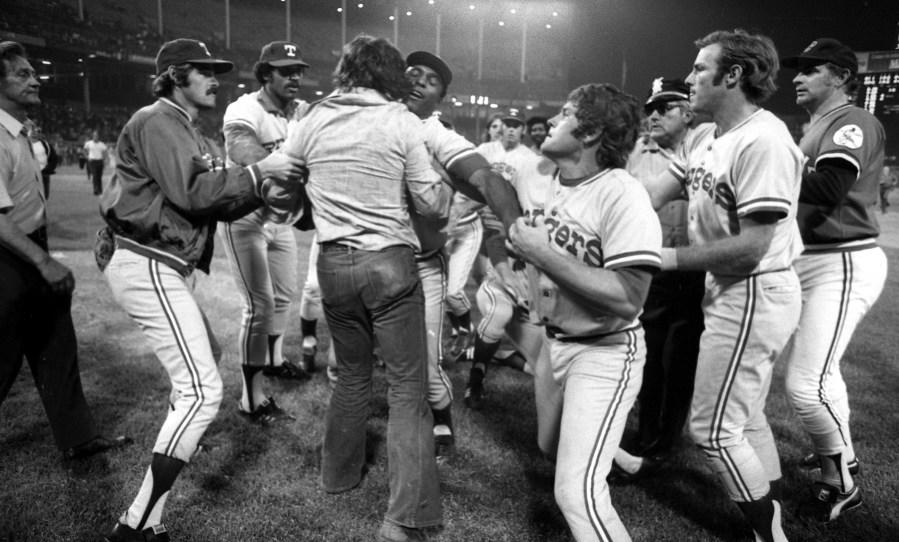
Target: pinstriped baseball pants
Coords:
[[263, 259], [461, 250], [161, 301], [838, 289], [600, 381], [748, 322]]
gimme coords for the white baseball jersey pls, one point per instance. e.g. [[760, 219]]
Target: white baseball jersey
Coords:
[[451, 152], [606, 221], [270, 128], [754, 167]]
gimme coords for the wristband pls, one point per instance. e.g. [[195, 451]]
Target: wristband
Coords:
[[669, 259]]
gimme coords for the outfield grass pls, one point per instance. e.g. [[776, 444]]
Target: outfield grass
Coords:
[[262, 485]]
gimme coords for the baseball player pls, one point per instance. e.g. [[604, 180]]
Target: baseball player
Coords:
[[162, 204], [594, 247], [457, 158], [842, 270], [742, 174], [503, 298], [263, 254]]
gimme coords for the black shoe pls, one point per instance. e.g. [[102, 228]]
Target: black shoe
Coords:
[[287, 371], [444, 441], [95, 446], [391, 532], [124, 533], [474, 394], [812, 461], [307, 362], [267, 414], [827, 502], [650, 465]]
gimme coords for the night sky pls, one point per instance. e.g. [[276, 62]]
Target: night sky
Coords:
[[656, 37]]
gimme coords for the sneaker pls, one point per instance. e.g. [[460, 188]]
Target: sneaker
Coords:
[[267, 414], [827, 502], [124, 533], [811, 462], [474, 394], [391, 532], [307, 363], [287, 370]]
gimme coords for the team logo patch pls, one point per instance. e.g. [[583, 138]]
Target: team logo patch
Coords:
[[849, 136], [657, 85], [291, 50]]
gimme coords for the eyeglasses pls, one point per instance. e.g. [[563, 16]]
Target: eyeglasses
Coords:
[[660, 107], [414, 73], [290, 71]]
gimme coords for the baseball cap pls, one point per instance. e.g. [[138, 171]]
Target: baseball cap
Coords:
[[668, 90], [823, 50], [513, 115], [184, 51], [424, 58], [282, 53]]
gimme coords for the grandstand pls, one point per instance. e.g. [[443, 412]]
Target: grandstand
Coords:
[[96, 56]]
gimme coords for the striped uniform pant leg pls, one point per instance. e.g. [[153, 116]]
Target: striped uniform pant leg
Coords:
[[838, 289], [161, 302], [748, 324], [246, 249], [600, 385], [282, 268], [432, 272], [497, 309], [462, 250]]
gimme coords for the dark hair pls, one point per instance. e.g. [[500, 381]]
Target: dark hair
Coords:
[[537, 120], [164, 84], [9, 50], [373, 63], [852, 84], [262, 70], [754, 53], [614, 116]]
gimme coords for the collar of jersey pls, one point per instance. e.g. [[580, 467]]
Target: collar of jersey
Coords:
[[581, 180]]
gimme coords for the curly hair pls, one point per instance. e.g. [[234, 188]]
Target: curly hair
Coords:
[[754, 53], [164, 84], [374, 63], [614, 115]]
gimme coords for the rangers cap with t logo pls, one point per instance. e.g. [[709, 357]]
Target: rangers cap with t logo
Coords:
[[282, 53], [187, 51]]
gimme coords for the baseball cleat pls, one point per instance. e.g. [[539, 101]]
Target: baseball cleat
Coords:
[[286, 371], [124, 533], [462, 346], [828, 502], [444, 441], [267, 414], [307, 362], [811, 462], [474, 395]]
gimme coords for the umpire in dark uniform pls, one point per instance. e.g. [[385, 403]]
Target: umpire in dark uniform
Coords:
[[672, 315], [36, 292]]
